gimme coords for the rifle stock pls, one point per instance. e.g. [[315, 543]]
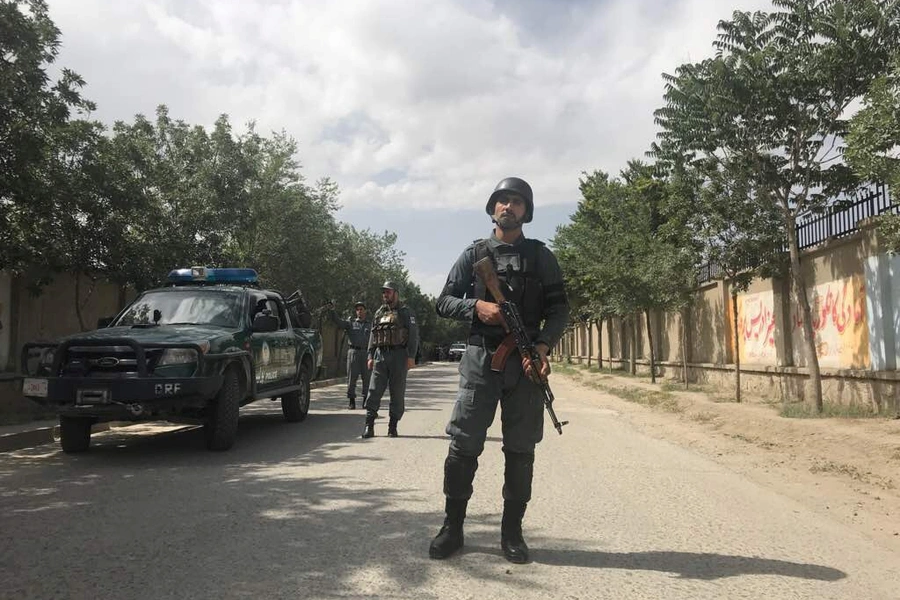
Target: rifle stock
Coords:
[[518, 336], [485, 269]]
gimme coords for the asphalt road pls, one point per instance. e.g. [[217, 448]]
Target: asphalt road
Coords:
[[310, 510]]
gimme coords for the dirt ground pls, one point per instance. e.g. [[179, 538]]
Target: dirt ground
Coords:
[[845, 469]]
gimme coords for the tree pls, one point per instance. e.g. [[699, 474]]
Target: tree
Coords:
[[89, 222], [738, 234], [716, 219], [873, 143], [151, 195], [617, 254], [34, 117], [769, 108], [679, 231], [582, 266], [588, 251], [165, 183]]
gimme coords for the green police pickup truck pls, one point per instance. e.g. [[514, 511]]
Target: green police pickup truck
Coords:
[[194, 352]]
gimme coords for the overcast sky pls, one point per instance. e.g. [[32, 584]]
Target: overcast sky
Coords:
[[416, 108]]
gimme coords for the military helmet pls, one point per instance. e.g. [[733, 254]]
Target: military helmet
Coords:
[[359, 303], [513, 185], [390, 285]]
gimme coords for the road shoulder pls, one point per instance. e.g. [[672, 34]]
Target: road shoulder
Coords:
[[845, 469]]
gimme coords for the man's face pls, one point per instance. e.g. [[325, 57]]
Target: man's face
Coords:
[[389, 296], [361, 313], [509, 211]]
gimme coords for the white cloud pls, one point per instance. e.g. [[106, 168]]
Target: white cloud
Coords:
[[406, 104], [450, 95]]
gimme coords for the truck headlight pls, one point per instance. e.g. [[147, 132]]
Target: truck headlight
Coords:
[[177, 356], [47, 356], [39, 361]]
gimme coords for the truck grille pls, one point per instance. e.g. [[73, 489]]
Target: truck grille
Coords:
[[106, 361]]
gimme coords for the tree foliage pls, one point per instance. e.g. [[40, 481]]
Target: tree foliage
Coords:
[[619, 253], [873, 142], [766, 113], [38, 141], [130, 203]]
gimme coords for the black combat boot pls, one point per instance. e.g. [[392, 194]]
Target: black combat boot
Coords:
[[516, 493], [459, 471], [450, 538], [392, 428], [369, 431], [511, 541], [352, 404]]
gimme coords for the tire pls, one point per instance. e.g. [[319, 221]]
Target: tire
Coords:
[[295, 405], [220, 426], [75, 434]]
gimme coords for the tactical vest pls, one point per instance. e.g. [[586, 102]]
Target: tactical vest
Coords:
[[389, 330], [517, 269]]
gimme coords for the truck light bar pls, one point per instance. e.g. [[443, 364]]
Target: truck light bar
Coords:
[[236, 276]]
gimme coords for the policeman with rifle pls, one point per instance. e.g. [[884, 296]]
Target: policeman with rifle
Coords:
[[358, 331], [510, 288]]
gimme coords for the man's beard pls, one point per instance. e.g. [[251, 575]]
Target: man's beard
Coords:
[[507, 222]]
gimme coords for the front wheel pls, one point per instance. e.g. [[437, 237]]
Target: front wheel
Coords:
[[295, 405], [220, 426], [75, 434]]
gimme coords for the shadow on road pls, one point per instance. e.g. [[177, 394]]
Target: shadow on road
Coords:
[[263, 520], [688, 565]]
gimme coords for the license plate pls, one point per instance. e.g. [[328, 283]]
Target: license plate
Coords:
[[90, 397], [34, 387]]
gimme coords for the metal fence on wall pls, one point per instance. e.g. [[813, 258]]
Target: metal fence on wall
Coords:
[[839, 220], [842, 218]]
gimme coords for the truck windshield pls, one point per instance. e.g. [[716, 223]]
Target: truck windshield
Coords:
[[195, 307]]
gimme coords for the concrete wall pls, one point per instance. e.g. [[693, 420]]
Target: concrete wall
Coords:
[[835, 277], [53, 312], [26, 317], [5, 319], [708, 324], [854, 292], [760, 317], [669, 330]]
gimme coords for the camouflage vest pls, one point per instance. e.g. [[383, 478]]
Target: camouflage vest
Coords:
[[389, 329]]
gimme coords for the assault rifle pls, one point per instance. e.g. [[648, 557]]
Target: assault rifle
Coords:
[[300, 311], [517, 337]]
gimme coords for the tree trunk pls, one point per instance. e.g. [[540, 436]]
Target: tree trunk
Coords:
[[803, 301], [684, 372], [79, 303], [737, 348], [652, 353], [590, 336], [599, 344], [634, 326]]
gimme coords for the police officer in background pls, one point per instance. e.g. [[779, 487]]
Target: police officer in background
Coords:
[[392, 352], [532, 280], [358, 331]]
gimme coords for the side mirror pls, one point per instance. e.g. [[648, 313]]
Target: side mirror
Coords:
[[263, 323], [104, 322]]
